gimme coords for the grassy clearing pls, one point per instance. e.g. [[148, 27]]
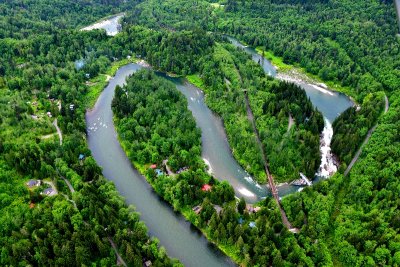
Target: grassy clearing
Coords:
[[284, 68], [195, 80], [98, 83], [275, 60]]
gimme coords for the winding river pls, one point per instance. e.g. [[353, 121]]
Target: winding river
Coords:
[[330, 103], [111, 25], [180, 239]]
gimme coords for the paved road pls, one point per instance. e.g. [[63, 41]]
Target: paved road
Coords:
[[357, 155]]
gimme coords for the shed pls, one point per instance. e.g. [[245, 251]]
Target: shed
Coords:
[[159, 172], [153, 166], [206, 187], [49, 192], [33, 183]]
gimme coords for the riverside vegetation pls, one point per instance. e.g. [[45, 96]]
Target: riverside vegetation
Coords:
[[344, 221]]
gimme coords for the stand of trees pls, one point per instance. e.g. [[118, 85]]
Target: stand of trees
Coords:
[[352, 126], [37, 71], [250, 238], [293, 150]]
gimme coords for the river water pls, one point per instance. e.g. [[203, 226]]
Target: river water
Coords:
[[216, 151], [397, 6], [330, 103], [180, 239], [111, 25]]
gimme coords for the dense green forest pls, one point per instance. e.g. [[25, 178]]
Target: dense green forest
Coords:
[[291, 149], [151, 129], [352, 126], [349, 221], [244, 235], [226, 74], [335, 40], [352, 44], [76, 226]]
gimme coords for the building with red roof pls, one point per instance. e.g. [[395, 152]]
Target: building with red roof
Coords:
[[206, 187]]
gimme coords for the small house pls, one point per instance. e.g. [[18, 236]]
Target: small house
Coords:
[[33, 183], [206, 188], [153, 166], [81, 156], [252, 224], [197, 209], [159, 172], [49, 192], [148, 263]]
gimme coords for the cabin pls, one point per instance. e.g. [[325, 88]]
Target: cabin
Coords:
[[32, 183], [49, 192], [153, 166], [251, 208], [197, 209], [159, 172], [206, 188]]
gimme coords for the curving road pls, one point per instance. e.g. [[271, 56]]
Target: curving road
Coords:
[[357, 155], [58, 131]]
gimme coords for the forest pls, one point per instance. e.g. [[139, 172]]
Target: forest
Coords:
[[241, 233], [348, 221], [353, 125], [76, 226]]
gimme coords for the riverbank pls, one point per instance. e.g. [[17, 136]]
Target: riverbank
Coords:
[[297, 74], [97, 84]]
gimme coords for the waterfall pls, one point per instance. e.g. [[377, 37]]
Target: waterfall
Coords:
[[328, 166]]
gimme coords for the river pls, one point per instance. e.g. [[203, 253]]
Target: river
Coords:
[[111, 25], [180, 239], [397, 6], [330, 103]]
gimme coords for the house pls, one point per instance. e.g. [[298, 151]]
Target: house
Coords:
[[159, 172], [81, 156], [148, 263], [252, 224], [49, 192], [71, 107], [153, 166], [33, 183], [49, 114], [197, 209], [206, 187]]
